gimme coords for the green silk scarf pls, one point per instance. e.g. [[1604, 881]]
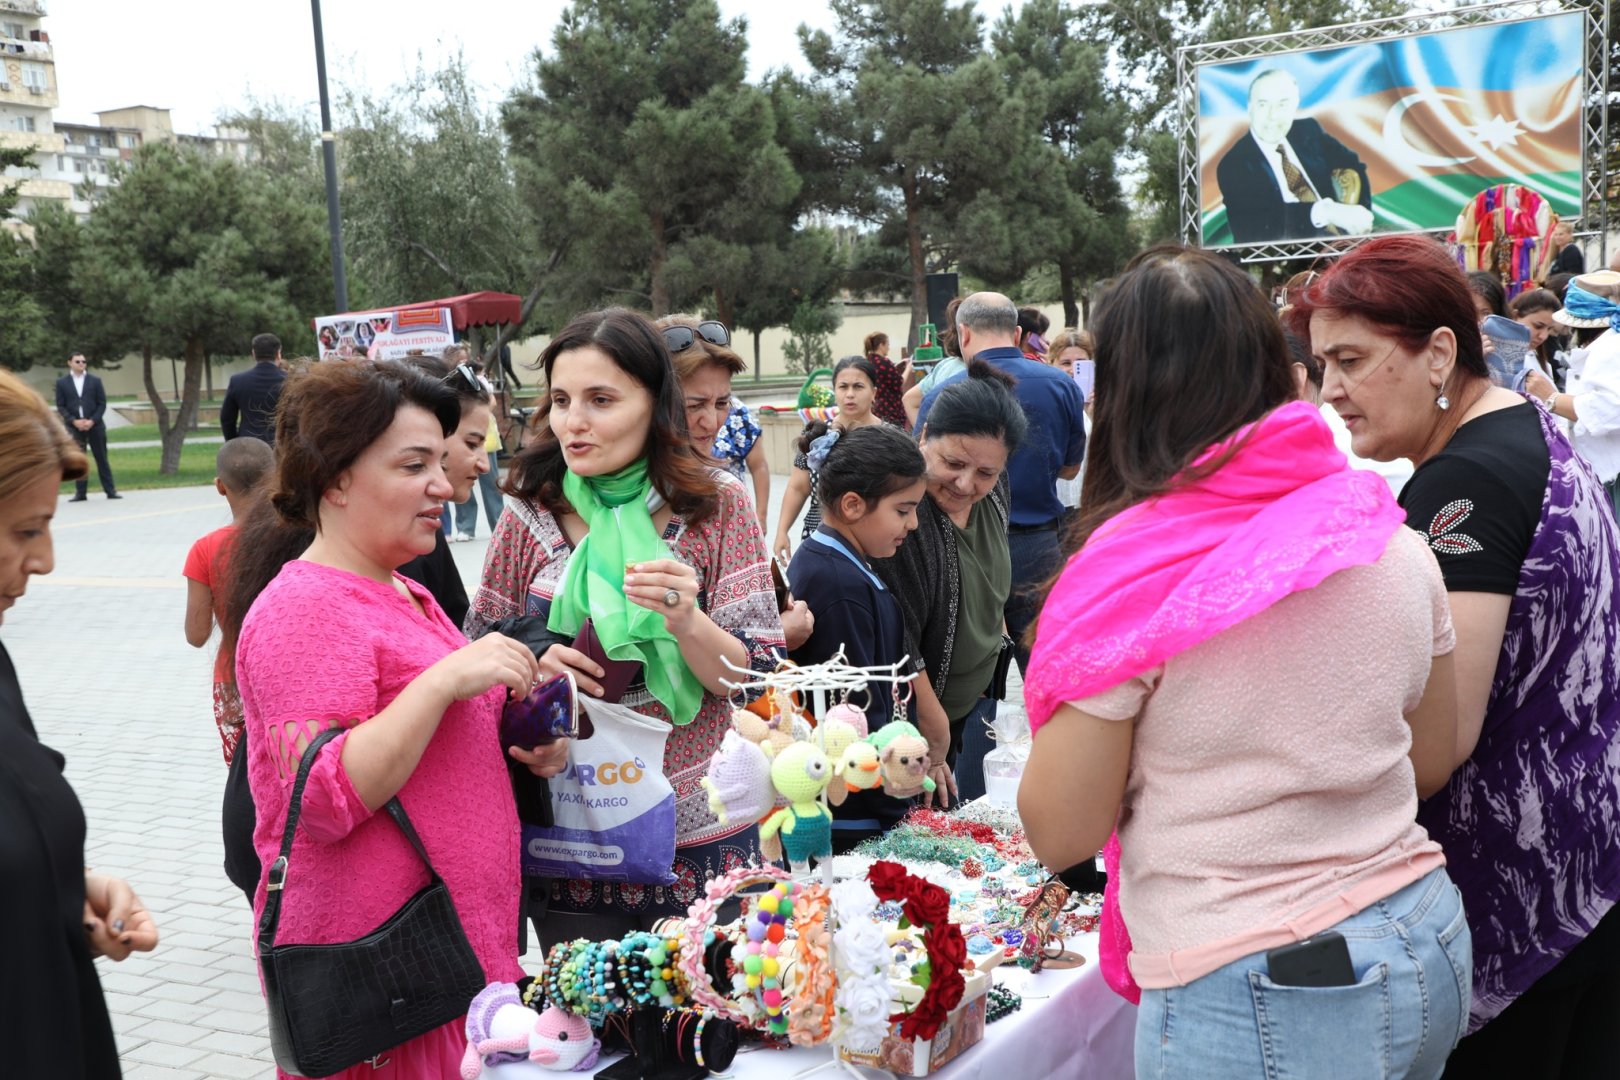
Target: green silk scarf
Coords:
[[622, 532]]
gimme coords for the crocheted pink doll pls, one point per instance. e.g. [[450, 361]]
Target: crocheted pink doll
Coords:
[[507, 1040]]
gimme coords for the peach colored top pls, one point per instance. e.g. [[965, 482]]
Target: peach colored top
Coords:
[[1270, 794]]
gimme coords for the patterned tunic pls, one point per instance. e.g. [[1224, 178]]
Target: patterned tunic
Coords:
[[1528, 822], [528, 558]]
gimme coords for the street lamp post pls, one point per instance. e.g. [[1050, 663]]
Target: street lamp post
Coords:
[[334, 220]]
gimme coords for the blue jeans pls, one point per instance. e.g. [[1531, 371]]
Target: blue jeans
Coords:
[[1413, 958], [1035, 557], [975, 743]]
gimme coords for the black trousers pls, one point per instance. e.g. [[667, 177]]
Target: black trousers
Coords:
[[1562, 1028], [95, 441]]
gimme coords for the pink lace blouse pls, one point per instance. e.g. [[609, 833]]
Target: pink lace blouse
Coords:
[[324, 647]]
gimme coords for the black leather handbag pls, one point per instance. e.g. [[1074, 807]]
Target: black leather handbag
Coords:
[[335, 1006]]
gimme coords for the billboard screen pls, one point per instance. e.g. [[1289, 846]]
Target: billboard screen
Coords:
[[1389, 136]]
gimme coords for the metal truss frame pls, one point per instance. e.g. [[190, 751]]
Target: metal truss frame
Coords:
[[1594, 113]]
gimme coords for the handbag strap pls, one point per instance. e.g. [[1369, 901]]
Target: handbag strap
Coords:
[[276, 880]]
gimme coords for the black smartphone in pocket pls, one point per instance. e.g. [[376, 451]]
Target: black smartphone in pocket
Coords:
[[1323, 960]]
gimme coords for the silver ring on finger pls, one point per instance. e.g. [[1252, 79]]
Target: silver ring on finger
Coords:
[[671, 597]]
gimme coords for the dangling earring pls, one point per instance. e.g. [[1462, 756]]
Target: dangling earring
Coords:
[[1442, 402]]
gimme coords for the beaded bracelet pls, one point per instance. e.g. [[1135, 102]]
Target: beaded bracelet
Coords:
[[561, 971], [811, 1010], [698, 921], [1003, 1002], [635, 964], [760, 955]]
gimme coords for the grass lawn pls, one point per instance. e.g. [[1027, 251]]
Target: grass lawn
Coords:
[[137, 468]]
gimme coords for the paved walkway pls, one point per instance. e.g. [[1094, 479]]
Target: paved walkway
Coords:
[[101, 651]]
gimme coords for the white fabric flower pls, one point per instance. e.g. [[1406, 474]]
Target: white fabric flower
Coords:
[[853, 899], [863, 1010], [863, 938]]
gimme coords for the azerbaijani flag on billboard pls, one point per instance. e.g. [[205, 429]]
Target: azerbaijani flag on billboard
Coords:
[[1408, 129]]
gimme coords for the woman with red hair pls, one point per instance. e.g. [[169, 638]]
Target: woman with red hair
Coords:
[[1529, 551]]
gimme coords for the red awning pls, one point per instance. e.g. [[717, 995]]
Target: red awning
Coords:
[[479, 309]]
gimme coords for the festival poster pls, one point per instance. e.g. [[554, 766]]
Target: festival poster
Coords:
[[387, 335], [1390, 136]]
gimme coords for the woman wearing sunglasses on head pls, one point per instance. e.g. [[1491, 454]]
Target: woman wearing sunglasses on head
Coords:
[[612, 489], [704, 365]]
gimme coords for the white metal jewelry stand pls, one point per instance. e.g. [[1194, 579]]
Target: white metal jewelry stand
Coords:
[[818, 680]]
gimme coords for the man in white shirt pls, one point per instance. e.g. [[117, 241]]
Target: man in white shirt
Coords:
[[82, 401], [1287, 179]]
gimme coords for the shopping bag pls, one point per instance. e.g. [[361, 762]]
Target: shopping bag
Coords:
[[613, 808]]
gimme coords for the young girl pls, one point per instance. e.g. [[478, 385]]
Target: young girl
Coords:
[[855, 389], [871, 480]]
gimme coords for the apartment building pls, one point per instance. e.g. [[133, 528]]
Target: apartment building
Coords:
[[27, 98]]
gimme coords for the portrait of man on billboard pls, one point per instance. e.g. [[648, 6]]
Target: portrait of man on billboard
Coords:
[[1288, 179]]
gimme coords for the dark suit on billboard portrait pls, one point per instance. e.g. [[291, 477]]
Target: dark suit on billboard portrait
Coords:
[[1257, 208], [78, 404]]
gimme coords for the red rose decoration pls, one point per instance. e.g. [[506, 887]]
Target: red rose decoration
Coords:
[[946, 947], [929, 904], [887, 879], [947, 990]]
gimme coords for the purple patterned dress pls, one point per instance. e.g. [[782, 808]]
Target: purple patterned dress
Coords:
[[1529, 821]]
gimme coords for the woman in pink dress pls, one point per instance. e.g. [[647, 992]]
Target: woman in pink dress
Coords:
[[337, 638]]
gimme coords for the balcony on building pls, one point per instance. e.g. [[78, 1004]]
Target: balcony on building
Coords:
[[23, 7]]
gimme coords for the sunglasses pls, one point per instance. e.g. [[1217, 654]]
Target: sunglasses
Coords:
[[677, 339], [466, 372]]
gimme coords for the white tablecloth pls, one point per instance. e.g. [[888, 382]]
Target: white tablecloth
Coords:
[[1071, 1025]]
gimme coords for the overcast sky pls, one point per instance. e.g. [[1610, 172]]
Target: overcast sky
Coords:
[[201, 57]]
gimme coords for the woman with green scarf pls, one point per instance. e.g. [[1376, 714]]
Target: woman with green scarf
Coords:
[[615, 518]]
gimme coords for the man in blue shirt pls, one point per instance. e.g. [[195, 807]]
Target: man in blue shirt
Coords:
[[987, 328]]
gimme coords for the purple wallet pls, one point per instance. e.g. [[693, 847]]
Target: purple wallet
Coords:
[[550, 712]]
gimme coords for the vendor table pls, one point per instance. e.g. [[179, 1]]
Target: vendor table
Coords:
[[1071, 1026]]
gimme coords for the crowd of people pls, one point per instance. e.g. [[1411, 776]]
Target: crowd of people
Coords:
[[1348, 742]]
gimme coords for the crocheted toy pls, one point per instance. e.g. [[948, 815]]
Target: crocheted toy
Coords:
[[562, 1042], [800, 773], [858, 768], [507, 1040], [846, 713], [902, 759], [739, 781], [837, 736], [774, 734]]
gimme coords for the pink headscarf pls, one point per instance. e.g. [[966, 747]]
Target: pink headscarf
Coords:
[[1278, 517]]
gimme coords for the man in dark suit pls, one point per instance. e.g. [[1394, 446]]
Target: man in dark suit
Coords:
[[249, 408], [1288, 179], [82, 401]]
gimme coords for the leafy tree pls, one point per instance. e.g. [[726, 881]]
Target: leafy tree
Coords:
[[430, 205], [639, 139], [23, 340], [804, 270], [918, 120], [190, 255], [1062, 205], [807, 347]]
